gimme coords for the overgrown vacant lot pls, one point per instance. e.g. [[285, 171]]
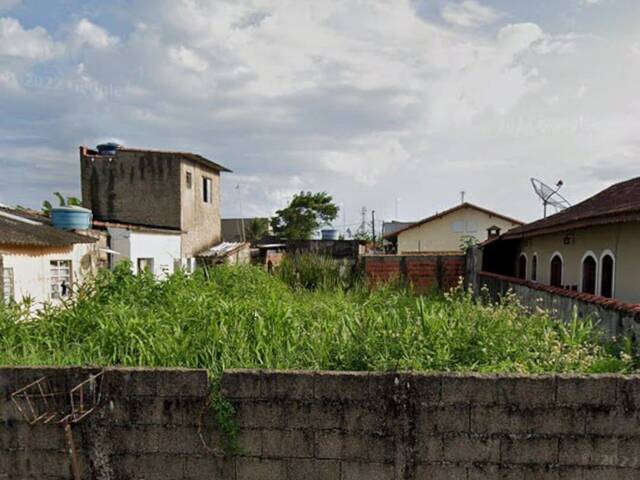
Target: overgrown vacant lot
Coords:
[[243, 317]]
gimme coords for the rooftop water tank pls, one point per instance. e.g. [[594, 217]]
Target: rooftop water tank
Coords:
[[71, 218], [109, 149], [330, 234]]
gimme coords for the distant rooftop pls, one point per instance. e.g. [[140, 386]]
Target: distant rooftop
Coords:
[[451, 210], [194, 157]]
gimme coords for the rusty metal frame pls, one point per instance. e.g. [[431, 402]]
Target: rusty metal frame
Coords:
[[83, 400]]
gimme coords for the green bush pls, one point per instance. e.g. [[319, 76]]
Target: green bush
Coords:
[[316, 272], [243, 317]]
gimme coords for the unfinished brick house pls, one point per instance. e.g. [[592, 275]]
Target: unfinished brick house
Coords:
[[159, 207]]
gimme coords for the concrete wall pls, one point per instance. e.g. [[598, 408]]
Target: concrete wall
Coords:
[[200, 221], [132, 187], [445, 234], [132, 245], [423, 272], [154, 424], [32, 269], [621, 240], [614, 317]]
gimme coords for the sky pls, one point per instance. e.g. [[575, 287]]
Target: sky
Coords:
[[396, 106]]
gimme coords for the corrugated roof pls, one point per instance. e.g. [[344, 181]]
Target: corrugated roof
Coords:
[[616, 204], [451, 210], [27, 229], [164, 153], [223, 249]]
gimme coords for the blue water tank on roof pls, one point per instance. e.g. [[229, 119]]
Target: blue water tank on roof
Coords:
[[71, 218]]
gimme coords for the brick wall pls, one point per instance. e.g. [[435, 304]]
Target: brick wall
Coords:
[[424, 272], [152, 424]]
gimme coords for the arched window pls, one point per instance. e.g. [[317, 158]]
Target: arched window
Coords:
[[534, 267], [556, 270], [607, 274], [589, 268], [522, 266]]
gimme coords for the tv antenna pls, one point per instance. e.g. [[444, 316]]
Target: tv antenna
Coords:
[[550, 195]]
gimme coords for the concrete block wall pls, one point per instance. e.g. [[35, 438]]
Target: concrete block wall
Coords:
[[424, 272], [154, 424]]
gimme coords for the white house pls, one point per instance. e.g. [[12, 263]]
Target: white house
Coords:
[[153, 249], [40, 262]]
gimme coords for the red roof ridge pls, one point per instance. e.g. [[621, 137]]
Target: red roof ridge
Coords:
[[451, 210]]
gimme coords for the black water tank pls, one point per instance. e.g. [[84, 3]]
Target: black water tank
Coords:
[[108, 148]]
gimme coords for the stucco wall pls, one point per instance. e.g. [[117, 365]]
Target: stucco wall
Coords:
[[156, 424], [622, 240], [439, 236], [32, 269], [132, 245], [132, 187], [200, 221]]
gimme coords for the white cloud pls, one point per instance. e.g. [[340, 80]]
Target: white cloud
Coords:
[[293, 94], [470, 13], [87, 33], [581, 92], [34, 44], [188, 59]]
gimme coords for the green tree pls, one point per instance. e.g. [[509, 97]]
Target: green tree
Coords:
[[63, 202], [257, 228], [306, 213]]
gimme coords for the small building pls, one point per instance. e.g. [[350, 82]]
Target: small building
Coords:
[[39, 261], [446, 232], [591, 247], [158, 209], [155, 250]]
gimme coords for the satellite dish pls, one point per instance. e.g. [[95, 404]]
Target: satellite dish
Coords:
[[550, 195]]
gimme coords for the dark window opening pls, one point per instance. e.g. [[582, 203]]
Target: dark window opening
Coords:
[[589, 275], [606, 287], [189, 180], [206, 190], [522, 267], [556, 271], [534, 268]]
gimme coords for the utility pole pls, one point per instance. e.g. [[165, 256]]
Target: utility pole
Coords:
[[373, 225]]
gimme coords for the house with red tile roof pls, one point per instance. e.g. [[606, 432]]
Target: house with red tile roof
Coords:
[[447, 231], [592, 247]]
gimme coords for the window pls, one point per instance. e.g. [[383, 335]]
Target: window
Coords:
[[458, 227], [60, 271], [522, 266], [6, 292], [534, 268], [556, 270], [589, 267], [206, 190], [607, 275], [145, 265], [189, 180]]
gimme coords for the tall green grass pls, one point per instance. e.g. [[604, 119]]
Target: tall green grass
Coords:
[[243, 317]]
